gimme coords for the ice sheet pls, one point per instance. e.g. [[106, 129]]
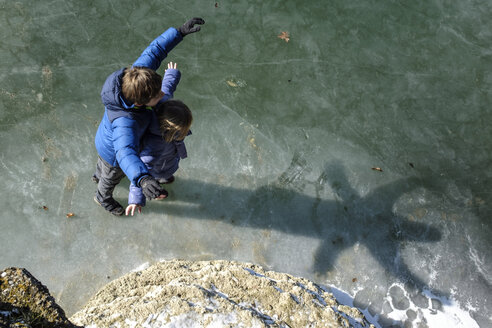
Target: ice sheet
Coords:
[[285, 139]]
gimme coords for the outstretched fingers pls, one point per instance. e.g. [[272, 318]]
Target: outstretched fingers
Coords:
[[130, 209], [197, 20]]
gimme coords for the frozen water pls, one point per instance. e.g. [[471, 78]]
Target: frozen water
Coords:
[[284, 140]]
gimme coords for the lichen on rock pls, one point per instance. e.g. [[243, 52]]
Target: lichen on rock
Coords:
[[25, 302]]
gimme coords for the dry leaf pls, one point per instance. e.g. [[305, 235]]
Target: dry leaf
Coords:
[[252, 142], [284, 36], [45, 207], [232, 83], [69, 215], [377, 169]]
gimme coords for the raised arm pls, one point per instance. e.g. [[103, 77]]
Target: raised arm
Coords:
[[170, 81], [158, 49]]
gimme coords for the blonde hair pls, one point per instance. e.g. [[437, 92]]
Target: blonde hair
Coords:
[[140, 84], [175, 120]]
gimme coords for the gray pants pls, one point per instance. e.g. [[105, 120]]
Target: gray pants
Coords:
[[109, 176]]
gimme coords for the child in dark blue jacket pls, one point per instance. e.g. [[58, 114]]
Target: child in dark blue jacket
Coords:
[[162, 147], [129, 95]]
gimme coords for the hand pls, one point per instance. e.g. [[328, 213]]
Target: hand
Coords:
[[188, 28], [151, 188], [171, 66], [131, 209]]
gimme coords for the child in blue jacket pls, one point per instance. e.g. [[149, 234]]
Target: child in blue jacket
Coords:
[[129, 95], [162, 147]]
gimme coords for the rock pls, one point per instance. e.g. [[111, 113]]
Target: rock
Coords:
[[25, 302], [182, 294], [214, 294], [436, 304], [398, 298], [411, 314]]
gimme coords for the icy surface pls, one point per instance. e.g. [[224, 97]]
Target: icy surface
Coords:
[[285, 139]]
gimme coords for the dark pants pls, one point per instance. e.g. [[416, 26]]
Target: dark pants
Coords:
[[109, 176]]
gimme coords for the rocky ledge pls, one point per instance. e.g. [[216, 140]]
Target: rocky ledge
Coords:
[[214, 294], [182, 294], [25, 302]]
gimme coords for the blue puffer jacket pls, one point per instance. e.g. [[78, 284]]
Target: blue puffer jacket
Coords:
[[123, 124]]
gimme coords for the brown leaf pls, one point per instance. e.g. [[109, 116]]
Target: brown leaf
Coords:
[[232, 83], [45, 207], [284, 36], [377, 169], [69, 215]]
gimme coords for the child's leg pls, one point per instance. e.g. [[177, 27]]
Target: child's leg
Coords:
[[109, 177], [97, 174], [167, 175]]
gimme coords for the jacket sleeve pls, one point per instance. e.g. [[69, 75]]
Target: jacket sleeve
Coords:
[[136, 196], [169, 83], [126, 141], [158, 49]]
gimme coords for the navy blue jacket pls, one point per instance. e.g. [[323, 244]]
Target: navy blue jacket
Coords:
[[161, 158], [123, 124]]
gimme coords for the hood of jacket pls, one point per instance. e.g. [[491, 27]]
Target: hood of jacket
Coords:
[[112, 96]]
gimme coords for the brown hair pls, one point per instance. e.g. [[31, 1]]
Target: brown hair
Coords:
[[140, 84], [174, 120]]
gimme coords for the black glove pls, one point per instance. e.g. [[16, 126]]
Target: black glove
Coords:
[[188, 28], [151, 188]]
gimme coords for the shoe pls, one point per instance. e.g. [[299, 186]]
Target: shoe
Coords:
[[111, 206], [166, 181], [162, 196], [95, 179]]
